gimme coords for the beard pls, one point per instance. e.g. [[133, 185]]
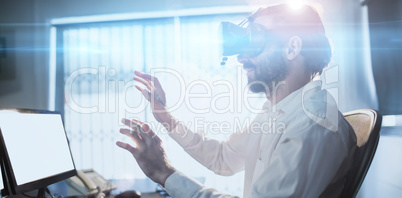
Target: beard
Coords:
[[271, 69]]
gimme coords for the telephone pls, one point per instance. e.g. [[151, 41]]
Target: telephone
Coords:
[[89, 183]]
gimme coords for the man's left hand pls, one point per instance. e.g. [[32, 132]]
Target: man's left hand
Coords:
[[149, 153]]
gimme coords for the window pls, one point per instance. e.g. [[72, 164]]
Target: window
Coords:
[[98, 60]]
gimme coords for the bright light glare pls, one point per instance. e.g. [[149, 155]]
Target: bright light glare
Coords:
[[295, 4], [9, 111]]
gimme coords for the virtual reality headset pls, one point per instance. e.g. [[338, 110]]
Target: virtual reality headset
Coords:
[[249, 38], [246, 38], [242, 40]]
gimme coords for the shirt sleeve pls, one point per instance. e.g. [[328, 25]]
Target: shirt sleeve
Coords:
[[304, 163], [223, 158], [180, 186]]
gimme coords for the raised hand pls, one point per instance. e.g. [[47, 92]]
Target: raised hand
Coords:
[[155, 94], [148, 153]]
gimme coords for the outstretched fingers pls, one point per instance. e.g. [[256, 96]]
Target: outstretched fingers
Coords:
[[148, 77], [148, 84], [138, 121], [132, 134], [144, 131], [127, 147], [144, 92], [151, 135], [133, 125], [143, 75], [154, 81]]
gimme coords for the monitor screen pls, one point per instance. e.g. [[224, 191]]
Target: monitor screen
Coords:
[[1, 180], [36, 149]]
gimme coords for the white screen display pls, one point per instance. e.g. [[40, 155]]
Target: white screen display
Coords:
[[1, 181], [37, 145]]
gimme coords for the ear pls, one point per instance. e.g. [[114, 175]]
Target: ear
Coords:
[[294, 47]]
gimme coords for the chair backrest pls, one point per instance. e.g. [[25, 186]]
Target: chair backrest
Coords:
[[367, 124]]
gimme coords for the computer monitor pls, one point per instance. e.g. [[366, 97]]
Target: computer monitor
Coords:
[[34, 149], [1, 180]]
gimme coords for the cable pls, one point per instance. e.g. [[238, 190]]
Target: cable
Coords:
[[57, 195], [28, 195], [99, 194], [48, 192]]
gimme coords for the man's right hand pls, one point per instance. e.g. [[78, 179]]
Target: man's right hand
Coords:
[[156, 96]]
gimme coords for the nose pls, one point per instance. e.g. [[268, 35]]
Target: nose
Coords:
[[242, 58]]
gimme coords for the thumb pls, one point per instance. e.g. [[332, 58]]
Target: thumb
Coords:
[[146, 94]]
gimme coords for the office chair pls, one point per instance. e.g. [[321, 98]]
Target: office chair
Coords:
[[367, 124]]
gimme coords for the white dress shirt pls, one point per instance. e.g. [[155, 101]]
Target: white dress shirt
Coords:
[[301, 147]]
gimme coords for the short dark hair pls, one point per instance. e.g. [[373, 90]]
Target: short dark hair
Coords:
[[306, 23]]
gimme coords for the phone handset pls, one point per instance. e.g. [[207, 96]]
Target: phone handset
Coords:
[[87, 182], [81, 185], [91, 186]]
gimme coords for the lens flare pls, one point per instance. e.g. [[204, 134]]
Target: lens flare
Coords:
[[295, 4]]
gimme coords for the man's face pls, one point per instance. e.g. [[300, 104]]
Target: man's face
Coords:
[[265, 70]]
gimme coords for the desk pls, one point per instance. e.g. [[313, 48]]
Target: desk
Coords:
[[151, 195], [143, 195]]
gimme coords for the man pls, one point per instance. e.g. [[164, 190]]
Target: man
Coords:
[[310, 153]]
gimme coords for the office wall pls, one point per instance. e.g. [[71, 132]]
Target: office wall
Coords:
[[22, 87]]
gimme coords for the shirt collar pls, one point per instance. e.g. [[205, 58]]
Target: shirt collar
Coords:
[[286, 104]]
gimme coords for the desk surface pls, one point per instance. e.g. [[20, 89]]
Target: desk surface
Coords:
[[143, 195], [151, 195]]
